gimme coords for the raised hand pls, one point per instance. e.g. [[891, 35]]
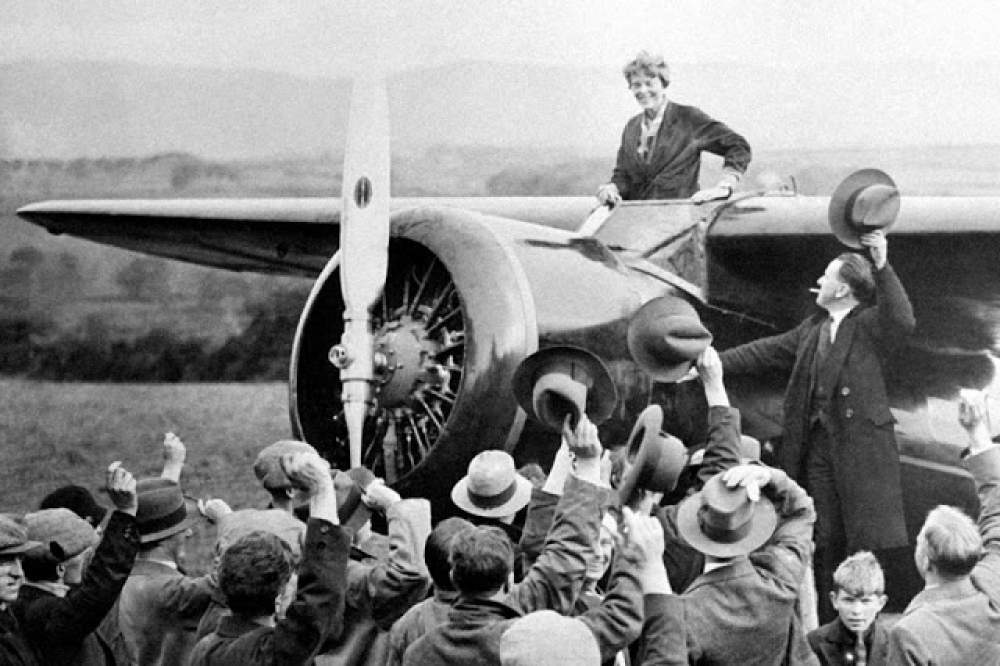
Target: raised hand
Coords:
[[379, 496], [120, 486], [308, 472], [878, 246], [609, 195], [751, 477]]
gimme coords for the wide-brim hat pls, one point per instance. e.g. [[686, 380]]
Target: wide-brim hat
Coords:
[[492, 488], [163, 509], [559, 380], [666, 336], [865, 201], [14, 536], [656, 458], [61, 534], [722, 522]]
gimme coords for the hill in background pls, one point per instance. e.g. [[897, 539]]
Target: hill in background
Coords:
[[74, 109]]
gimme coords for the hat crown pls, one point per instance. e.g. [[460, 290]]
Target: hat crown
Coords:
[[491, 473], [723, 507], [866, 200], [162, 510], [665, 336], [657, 458], [267, 466]]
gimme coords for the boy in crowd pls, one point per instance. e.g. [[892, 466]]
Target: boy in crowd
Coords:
[[855, 637]]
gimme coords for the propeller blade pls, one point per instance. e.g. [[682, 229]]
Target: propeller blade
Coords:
[[364, 246]]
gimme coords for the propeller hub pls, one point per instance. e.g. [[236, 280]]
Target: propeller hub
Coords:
[[405, 362]]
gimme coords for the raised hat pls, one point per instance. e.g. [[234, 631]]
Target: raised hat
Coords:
[[656, 458], [723, 522], [14, 536], [233, 526], [557, 381], [666, 336], [62, 534], [78, 500], [162, 509], [864, 201], [267, 467], [492, 488], [350, 487]]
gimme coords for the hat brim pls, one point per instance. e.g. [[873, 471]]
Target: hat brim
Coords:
[[647, 455], [838, 215], [519, 500], [22, 549], [763, 523], [602, 397], [191, 517], [644, 319]]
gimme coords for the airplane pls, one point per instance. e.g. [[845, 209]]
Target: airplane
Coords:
[[422, 309]]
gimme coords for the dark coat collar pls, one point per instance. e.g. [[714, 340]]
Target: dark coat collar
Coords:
[[738, 568], [232, 626], [473, 611]]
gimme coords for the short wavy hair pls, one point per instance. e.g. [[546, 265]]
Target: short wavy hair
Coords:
[[950, 541], [859, 574], [253, 572], [857, 273], [437, 550], [481, 560], [648, 64]]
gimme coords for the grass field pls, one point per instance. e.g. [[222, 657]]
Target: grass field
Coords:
[[53, 434]]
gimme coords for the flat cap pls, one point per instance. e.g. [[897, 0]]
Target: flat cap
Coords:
[[14, 535], [62, 534], [234, 526], [267, 467]]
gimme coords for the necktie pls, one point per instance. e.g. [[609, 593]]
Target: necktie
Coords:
[[860, 651], [825, 341]]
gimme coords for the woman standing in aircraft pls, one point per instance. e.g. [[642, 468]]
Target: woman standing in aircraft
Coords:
[[660, 153]]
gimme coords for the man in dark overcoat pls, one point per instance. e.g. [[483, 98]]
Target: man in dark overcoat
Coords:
[[838, 438]]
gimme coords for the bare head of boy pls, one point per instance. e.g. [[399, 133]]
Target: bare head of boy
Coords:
[[858, 591]]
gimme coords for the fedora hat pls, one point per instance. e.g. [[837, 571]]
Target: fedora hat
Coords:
[[864, 201], [723, 522], [557, 381], [656, 458], [665, 336], [492, 488], [350, 487], [163, 509]]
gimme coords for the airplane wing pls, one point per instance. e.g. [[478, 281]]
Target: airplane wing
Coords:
[[289, 236]]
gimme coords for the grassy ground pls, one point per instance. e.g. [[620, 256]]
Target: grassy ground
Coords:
[[52, 434]]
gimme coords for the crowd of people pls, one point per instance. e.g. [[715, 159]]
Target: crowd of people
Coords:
[[582, 559]]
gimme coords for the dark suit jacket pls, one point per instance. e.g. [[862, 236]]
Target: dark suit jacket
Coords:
[[64, 629], [833, 642], [866, 458], [746, 612], [959, 622], [672, 172], [317, 610]]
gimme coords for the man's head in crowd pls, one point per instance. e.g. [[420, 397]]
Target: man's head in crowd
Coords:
[[437, 551], [78, 500], [267, 469], [603, 550], [492, 488], [65, 539], [163, 519], [255, 575], [482, 561], [13, 544], [858, 591], [948, 546]]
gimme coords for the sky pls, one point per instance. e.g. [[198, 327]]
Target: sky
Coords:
[[335, 38]]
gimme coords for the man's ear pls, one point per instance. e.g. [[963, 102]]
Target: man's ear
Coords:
[[882, 600], [833, 599]]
